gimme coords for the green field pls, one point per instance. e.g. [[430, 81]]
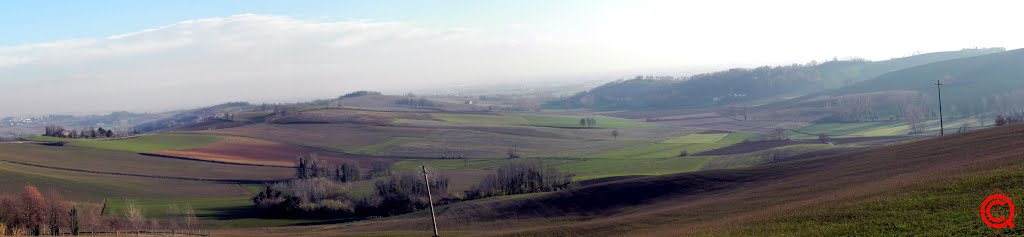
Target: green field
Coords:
[[145, 143], [378, 147], [760, 157], [692, 143], [600, 168], [874, 129], [225, 212], [562, 121], [95, 187], [482, 119], [935, 210], [556, 121], [413, 164], [110, 161], [841, 129], [698, 138], [205, 207]]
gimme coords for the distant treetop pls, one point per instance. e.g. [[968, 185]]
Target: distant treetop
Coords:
[[358, 94]]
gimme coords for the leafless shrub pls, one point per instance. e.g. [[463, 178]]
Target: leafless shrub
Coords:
[[305, 197], [379, 168], [405, 192], [520, 177], [774, 156], [133, 215]]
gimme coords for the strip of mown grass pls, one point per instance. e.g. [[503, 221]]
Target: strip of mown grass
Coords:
[[146, 143]]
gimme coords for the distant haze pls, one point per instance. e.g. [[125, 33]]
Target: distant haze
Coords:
[[274, 57]]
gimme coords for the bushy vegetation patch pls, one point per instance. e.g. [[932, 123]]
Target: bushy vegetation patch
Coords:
[[520, 177]]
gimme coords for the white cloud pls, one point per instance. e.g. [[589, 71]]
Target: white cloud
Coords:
[[258, 58], [266, 58], [13, 61]]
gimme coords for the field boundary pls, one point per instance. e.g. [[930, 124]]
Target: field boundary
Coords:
[[210, 161], [231, 181]]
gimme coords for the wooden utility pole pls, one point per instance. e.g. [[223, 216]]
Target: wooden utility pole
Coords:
[[430, 199], [938, 85]]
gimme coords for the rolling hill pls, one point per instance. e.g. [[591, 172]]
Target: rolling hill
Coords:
[[738, 85], [930, 187], [978, 87], [972, 83]]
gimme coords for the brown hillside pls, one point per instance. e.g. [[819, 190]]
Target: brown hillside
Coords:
[[674, 205]]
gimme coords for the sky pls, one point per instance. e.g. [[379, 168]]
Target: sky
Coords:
[[82, 57]]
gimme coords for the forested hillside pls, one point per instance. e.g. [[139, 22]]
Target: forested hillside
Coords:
[[735, 85], [983, 84]]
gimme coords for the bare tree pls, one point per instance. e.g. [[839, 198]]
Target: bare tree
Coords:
[[57, 213], [513, 153], [189, 219], [823, 138], [378, 168], [173, 217], [778, 134], [774, 156], [133, 214]]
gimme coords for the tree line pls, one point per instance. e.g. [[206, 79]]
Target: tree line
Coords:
[[58, 131], [321, 192], [588, 122], [32, 213]]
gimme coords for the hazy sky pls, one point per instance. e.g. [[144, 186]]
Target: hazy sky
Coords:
[[99, 56]]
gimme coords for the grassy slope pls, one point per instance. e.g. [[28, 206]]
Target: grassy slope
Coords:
[[601, 168], [759, 157], [146, 143], [653, 159]]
